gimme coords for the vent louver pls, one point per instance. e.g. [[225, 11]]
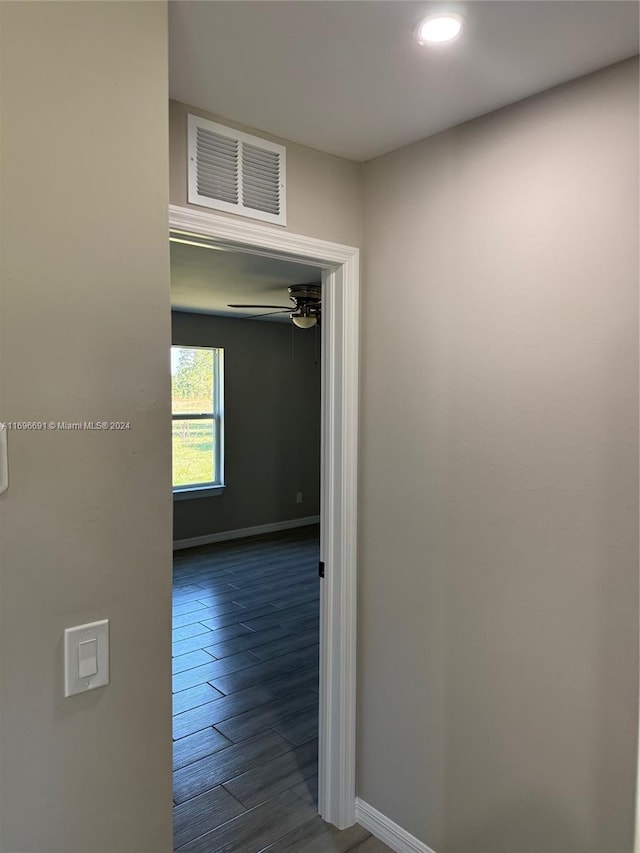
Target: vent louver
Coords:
[[260, 179], [235, 172], [217, 166]]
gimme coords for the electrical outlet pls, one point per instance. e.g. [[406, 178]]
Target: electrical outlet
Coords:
[[298, 497]]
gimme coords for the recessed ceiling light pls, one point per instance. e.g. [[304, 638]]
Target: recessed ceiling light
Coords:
[[438, 28]]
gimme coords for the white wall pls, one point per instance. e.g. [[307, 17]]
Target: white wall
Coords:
[[499, 492], [85, 528]]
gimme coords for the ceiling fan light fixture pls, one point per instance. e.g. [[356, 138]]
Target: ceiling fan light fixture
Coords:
[[303, 322], [305, 311], [436, 29]]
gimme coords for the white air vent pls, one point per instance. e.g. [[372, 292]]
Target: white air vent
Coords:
[[235, 172]]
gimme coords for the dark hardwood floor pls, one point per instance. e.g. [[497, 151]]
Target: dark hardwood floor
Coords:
[[245, 725]]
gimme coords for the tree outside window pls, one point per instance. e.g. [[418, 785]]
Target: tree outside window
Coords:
[[197, 403]]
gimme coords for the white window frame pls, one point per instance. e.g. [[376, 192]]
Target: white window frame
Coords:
[[214, 487]]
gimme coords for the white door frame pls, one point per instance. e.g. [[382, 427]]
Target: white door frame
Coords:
[[338, 534]]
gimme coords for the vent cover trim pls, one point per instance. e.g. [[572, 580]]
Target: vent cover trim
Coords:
[[235, 172]]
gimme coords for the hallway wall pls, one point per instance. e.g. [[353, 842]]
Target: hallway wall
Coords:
[[498, 586], [85, 527]]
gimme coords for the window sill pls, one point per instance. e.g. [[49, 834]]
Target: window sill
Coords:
[[197, 492]]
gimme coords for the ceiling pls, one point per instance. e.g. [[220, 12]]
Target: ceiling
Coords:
[[348, 78], [204, 280]]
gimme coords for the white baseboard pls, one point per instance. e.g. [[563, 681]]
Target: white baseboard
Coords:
[[245, 531], [386, 830]]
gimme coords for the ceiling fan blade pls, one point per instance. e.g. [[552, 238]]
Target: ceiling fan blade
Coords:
[[268, 314], [283, 307]]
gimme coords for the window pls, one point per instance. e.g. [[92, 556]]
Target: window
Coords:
[[197, 412]]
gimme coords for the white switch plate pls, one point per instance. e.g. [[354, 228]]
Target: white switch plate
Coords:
[[73, 637]]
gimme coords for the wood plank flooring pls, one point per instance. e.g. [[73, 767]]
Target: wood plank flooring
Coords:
[[245, 682]]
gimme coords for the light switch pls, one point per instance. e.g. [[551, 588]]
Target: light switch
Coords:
[[86, 657]]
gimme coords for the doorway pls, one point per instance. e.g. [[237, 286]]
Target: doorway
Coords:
[[338, 530]]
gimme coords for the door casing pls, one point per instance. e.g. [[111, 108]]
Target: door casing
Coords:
[[339, 478]]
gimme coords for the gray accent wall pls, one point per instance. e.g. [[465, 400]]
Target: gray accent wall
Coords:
[[272, 424], [498, 590], [85, 527]]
